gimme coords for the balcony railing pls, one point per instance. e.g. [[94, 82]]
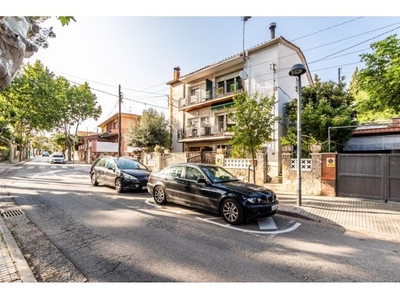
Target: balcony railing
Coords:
[[208, 131], [203, 95]]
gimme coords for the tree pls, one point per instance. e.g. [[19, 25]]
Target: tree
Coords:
[[254, 120], [324, 105], [151, 130], [76, 104], [28, 105], [381, 76]]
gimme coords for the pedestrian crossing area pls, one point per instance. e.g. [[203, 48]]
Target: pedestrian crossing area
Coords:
[[41, 167]]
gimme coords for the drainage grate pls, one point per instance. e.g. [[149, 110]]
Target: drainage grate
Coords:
[[11, 213]]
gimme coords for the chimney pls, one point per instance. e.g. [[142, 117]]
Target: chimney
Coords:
[[177, 73], [272, 27]]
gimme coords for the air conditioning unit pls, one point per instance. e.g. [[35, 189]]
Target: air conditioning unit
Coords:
[[219, 91]]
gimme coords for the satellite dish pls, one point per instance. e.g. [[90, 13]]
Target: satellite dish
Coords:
[[243, 75]]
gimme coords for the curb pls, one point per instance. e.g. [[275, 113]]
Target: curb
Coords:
[[23, 269]]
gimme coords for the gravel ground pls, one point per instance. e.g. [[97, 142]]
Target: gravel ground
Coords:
[[47, 263]]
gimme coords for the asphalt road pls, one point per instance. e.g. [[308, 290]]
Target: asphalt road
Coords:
[[112, 237]]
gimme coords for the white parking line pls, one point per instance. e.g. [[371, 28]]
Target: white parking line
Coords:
[[266, 223], [295, 226], [159, 206]]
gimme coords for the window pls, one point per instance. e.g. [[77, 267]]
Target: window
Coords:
[[193, 174], [175, 172], [102, 162], [194, 91]]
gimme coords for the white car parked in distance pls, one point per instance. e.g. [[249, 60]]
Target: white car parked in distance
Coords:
[[57, 158]]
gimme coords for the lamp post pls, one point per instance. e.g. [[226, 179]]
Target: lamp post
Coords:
[[298, 70]]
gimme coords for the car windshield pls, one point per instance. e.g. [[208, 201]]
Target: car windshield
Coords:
[[218, 174], [129, 164]]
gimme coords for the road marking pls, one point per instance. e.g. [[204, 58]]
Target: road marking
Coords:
[[161, 207], [266, 224], [30, 167], [294, 227]]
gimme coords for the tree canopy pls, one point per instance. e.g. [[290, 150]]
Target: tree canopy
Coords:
[[380, 78], [151, 130], [37, 101], [324, 105]]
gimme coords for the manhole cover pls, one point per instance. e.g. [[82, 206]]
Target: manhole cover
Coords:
[[12, 213]]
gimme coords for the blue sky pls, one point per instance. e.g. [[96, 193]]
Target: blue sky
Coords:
[[138, 49]]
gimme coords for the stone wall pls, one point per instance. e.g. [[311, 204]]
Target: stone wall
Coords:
[[319, 180]]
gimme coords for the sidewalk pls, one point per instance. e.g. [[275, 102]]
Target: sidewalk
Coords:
[[352, 214]]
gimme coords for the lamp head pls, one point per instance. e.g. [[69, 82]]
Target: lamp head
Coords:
[[297, 70]]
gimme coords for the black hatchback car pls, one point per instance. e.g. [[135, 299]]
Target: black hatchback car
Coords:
[[212, 188], [123, 173]]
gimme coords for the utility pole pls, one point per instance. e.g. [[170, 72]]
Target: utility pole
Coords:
[[119, 121]]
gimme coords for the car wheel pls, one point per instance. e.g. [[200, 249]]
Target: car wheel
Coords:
[[232, 212], [118, 185], [94, 180], [160, 197]]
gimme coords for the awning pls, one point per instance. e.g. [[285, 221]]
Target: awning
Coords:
[[223, 105]]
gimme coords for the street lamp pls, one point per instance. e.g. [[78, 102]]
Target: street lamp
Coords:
[[298, 70]]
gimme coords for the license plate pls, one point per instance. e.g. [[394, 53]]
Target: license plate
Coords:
[[144, 187], [274, 207]]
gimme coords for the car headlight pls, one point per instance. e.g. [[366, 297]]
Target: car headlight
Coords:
[[255, 200], [263, 199], [127, 176]]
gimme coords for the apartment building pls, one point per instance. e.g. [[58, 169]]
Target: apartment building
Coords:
[[200, 101]]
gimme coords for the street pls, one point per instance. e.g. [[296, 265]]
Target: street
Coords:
[[112, 237]]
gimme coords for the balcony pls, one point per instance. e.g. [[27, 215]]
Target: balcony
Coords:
[[204, 98], [210, 132]]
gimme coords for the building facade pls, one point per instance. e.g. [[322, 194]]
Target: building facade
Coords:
[[107, 141], [201, 101]]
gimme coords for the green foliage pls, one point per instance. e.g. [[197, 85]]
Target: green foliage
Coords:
[[380, 79], [38, 101], [4, 152], [31, 98], [150, 131], [324, 105], [65, 20], [254, 120]]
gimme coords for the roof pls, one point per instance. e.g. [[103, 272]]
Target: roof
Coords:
[[129, 115], [381, 129], [253, 49]]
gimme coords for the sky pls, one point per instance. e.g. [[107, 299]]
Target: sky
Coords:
[[137, 49]]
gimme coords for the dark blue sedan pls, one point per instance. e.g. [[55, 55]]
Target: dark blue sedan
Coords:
[[212, 188]]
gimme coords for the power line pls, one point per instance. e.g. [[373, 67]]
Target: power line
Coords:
[[322, 30]]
